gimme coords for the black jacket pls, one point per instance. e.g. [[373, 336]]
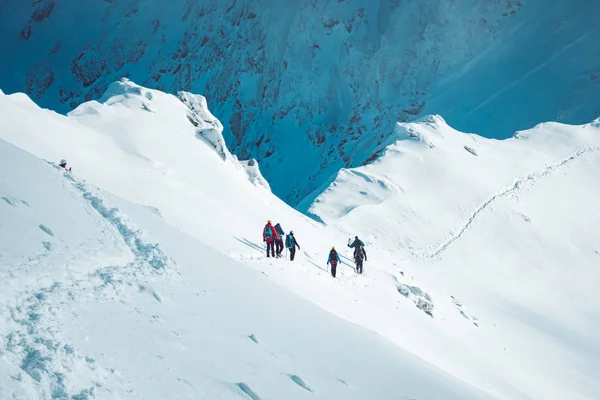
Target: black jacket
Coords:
[[360, 253]]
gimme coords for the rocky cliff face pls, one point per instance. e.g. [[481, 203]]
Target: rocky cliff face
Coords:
[[307, 87]]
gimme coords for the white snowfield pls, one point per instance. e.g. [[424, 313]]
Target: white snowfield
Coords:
[[128, 277]]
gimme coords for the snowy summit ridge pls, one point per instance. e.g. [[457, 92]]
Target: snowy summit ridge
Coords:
[[207, 128], [328, 80]]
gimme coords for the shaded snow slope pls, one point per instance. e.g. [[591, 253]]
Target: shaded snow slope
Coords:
[[205, 214], [511, 230], [327, 80]]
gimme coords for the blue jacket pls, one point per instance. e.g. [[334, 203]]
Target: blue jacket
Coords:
[[337, 256], [356, 243]]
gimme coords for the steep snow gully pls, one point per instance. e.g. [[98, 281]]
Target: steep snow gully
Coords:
[[519, 185]]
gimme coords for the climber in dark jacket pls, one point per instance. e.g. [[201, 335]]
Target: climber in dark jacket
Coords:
[[360, 255], [356, 242], [333, 259], [279, 240], [291, 244]]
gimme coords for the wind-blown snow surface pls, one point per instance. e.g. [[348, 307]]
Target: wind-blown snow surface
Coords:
[[505, 311], [131, 296], [326, 79]]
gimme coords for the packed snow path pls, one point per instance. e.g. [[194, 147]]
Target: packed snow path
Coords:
[[519, 185], [33, 339], [145, 253]]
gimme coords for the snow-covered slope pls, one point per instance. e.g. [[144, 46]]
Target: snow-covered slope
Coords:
[[152, 143], [509, 226], [168, 309], [106, 296], [93, 307], [327, 80]]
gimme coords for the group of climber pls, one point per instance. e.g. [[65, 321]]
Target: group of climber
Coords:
[[273, 236], [360, 256]]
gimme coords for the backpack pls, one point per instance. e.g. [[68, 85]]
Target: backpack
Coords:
[[279, 230], [359, 253], [268, 232], [333, 257], [289, 241]]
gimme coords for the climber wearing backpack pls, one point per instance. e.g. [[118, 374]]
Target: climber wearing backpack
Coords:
[[290, 244], [333, 259], [270, 236], [279, 240], [360, 255], [355, 243]]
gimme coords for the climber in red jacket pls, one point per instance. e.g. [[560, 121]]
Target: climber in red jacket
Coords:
[[270, 236]]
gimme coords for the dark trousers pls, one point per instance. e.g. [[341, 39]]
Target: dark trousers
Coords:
[[359, 266], [292, 253], [333, 267], [279, 246], [271, 249]]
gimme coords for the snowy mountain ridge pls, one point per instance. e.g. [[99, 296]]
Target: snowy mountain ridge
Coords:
[[327, 80], [129, 277], [507, 221]]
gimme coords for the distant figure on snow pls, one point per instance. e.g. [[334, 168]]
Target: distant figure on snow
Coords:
[[270, 236], [360, 254], [291, 243], [63, 164], [279, 240], [333, 259]]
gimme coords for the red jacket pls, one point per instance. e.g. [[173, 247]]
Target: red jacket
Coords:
[[273, 237]]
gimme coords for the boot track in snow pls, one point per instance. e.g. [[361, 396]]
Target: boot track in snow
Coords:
[[35, 344], [519, 185]]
